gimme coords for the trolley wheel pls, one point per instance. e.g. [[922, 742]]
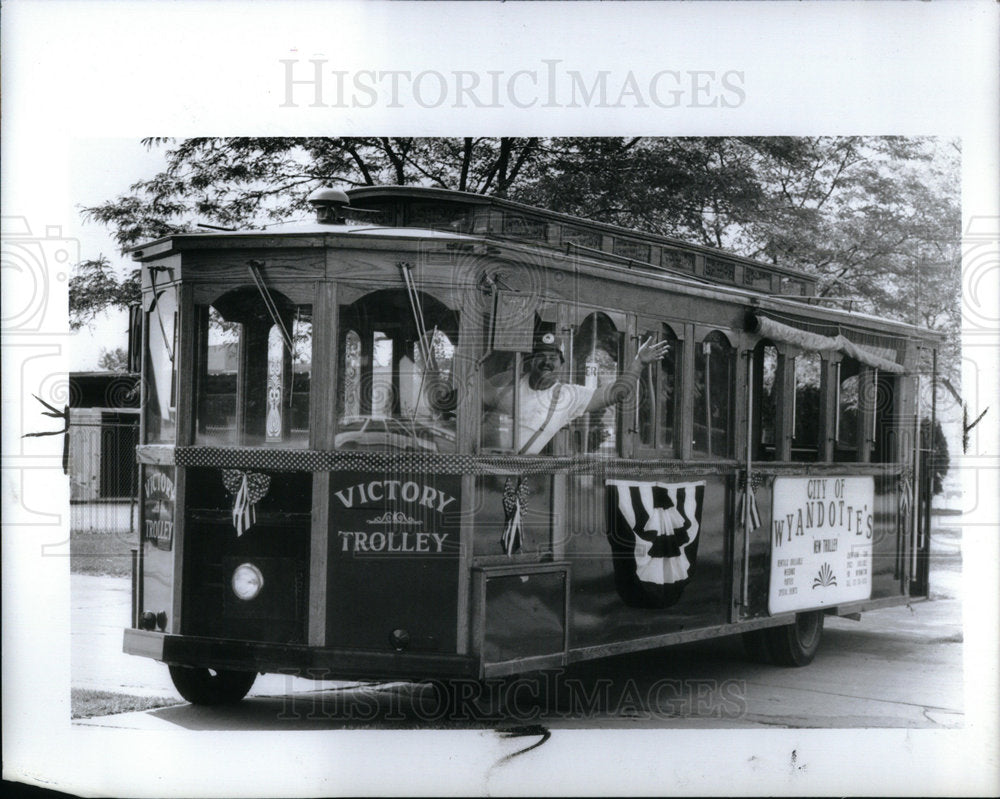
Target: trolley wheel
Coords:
[[201, 686], [796, 644]]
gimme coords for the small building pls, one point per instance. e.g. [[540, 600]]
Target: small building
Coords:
[[103, 433]]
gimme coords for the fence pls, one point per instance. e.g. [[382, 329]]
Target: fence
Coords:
[[104, 476]]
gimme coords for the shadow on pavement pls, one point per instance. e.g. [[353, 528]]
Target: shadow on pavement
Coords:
[[879, 672]]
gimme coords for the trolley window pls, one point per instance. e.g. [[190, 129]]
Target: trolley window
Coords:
[[161, 356], [715, 371], [886, 424], [396, 373], [558, 400], [497, 429], [254, 370], [809, 385], [848, 420], [659, 390], [765, 400], [597, 352]]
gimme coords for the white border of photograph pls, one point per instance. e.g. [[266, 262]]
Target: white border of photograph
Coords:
[[87, 70]]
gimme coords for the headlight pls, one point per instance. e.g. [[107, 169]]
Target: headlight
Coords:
[[247, 581]]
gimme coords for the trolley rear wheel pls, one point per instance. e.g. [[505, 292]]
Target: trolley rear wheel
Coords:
[[201, 686], [796, 644]]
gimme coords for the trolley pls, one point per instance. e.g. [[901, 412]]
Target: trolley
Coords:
[[341, 476]]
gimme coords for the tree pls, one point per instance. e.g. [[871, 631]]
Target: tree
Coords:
[[875, 218], [934, 454], [94, 288], [248, 182], [696, 189], [115, 360]]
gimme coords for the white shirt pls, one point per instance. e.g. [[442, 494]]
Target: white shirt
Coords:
[[571, 403]]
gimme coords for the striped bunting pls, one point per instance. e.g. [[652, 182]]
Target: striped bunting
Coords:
[[664, 520]]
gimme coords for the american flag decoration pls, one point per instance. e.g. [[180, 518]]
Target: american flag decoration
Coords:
[[748, 501], [654, 539], [247, 488], [515, 503]]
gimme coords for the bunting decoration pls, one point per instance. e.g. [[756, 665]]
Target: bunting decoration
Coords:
[[654, 539], [247, 488], [515, 504], [748, 500]]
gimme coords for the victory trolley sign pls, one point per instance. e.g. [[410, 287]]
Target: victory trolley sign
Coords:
[[441, 435]]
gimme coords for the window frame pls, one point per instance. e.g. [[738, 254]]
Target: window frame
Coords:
[[826, 447], [760, 449], [203, 302], [702, 333], [670, 450], [581, 427], [811, 451], [849, 453], [565, 320], [151, 332], [350, 294]]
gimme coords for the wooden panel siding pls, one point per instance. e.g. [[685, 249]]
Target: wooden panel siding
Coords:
[[720, 270], [757, 278], [677, 259], [580, 236], [634, 250], [85, 454], [523, 227], [279, 264]]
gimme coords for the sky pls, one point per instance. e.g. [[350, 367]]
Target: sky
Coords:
[[100, 170]]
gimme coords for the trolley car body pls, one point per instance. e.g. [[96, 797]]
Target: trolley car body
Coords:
[[325, 494]]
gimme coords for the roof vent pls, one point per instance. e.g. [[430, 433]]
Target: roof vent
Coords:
[[329, 204]]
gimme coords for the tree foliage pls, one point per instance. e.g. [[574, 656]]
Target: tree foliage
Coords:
[[874, 218], [247, 182], [95, 288], [934, 460], [115, 360]]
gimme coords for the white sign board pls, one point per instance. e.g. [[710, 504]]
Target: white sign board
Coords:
[[821, 541]]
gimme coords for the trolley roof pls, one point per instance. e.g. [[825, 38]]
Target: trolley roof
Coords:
[[445, 215]]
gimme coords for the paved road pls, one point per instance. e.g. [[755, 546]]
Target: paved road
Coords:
[[900, 667]]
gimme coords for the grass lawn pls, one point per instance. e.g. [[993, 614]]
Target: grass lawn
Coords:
[[86, 703], [101, 553]]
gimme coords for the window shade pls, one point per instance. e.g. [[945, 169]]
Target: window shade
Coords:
[[776, 331]]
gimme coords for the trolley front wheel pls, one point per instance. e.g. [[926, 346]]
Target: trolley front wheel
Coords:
[[796, 644], [201, 686]]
